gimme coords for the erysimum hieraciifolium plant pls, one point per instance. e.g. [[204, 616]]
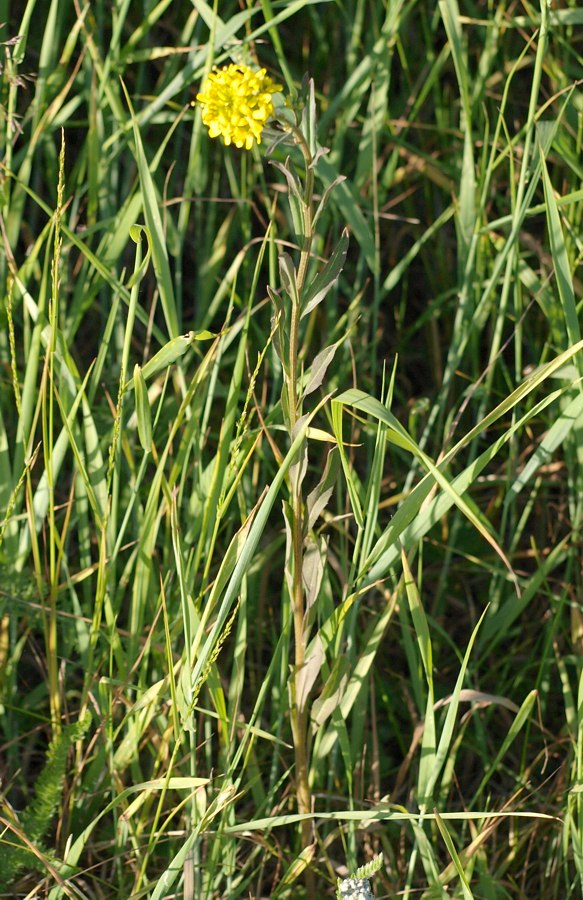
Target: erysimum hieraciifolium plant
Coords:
[[237, 104]]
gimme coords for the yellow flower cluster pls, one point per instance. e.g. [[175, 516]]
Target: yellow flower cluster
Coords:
[[236, 103]]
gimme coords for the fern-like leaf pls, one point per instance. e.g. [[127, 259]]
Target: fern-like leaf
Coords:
[[35, 820]]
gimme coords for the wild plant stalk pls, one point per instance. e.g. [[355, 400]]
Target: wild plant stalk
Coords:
[[303, 295], [299, 711], [236, 102]]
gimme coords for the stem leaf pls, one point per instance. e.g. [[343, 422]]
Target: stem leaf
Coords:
[[327, 277], [318, 499], [143, 412], [308, 673], [319, 367]]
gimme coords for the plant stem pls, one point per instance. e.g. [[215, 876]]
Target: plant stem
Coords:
[[299, 718], [307, 239]]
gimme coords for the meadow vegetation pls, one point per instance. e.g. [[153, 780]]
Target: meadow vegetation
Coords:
[[287, 587]]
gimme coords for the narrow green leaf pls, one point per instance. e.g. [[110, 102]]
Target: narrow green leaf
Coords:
[[143, 413], [332, 692], [350, 480], [136, 232], [318, 499], [448, 726], [327, 277], [561, 262], [522, 717], [319, 367], [429, 739], [467, 894], [155, 228], [167, 356]]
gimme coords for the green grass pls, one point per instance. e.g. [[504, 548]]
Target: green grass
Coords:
[[216, 614]]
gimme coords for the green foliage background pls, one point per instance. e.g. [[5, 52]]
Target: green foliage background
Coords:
[[143, 562]]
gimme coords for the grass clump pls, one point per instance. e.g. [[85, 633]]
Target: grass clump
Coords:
[[290, 466]]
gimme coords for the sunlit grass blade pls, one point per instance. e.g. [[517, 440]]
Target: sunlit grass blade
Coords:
[[466, 892]]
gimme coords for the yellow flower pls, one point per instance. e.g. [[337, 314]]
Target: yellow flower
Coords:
[[236, 103]]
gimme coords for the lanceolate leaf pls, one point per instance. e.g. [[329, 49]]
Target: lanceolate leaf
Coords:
[[327, 277], [307, 675], [319, 367], [313, 568], [319, 498], [143, 413], [288, 276], [332, 693], [155, 230], [170, 353], [296, 201]]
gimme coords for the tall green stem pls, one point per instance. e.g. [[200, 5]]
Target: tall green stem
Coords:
[[307, 239], [299, 718]]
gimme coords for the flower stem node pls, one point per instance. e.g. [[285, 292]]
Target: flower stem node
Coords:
[[236, 103]]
